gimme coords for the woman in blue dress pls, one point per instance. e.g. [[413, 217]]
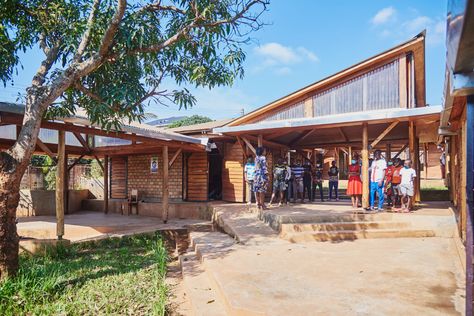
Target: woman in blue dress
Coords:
[[261, 177]]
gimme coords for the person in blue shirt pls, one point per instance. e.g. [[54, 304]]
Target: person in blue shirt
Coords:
[[249, 173], [298, 172]]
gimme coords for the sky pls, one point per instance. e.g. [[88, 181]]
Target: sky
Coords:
[[303, 42]]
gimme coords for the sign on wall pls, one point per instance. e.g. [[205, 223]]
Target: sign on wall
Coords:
[[154, 164]]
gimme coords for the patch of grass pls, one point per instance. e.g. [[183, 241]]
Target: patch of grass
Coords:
[[109, 277]]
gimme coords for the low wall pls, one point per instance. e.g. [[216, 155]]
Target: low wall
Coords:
[[178, 209], [43, 202]]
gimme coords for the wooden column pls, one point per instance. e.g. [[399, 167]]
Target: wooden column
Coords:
[[425, 151], [388, 152], [365, 166], [417, 164], [60, 184], [165, 198], [260, 140], [413, 145], [350, 155], [106, 184]]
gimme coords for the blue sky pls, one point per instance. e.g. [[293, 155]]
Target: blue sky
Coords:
[[307, 40]]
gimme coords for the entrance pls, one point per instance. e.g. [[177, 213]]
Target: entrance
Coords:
[[215, 175]]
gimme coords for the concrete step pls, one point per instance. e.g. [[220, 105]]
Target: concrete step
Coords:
[[337, 226], [275, 221], [341, 235], [204, 298]]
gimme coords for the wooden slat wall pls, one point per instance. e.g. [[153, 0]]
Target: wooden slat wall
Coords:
[[197, 177], [233, 189], [118, 178]]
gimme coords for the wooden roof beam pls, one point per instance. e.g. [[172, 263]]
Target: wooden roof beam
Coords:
[[175, 156], [383, 134], [267, 143], [45, 149], [249, 145]]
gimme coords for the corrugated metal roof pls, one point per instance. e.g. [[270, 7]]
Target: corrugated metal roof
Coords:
[[134, 127], [200, 127]]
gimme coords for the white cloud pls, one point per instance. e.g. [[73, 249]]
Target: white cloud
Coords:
[[279, 57], [408, 27], [283, 71], [277, 52], [217, 103], [417, 24], [383, 16]]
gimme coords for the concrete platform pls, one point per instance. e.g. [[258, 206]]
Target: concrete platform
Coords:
[[428, 219], [84, 226], [262, 274]]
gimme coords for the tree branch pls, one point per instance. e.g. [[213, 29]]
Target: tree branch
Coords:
[[86, 37], [88, 92], [109, 34]]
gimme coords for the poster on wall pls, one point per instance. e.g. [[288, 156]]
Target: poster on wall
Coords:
[[154, 164]]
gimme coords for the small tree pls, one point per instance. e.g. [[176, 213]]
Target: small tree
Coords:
[[109, 57], [194, 119]]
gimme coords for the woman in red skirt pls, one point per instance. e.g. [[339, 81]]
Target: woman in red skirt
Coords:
[[354, 186]]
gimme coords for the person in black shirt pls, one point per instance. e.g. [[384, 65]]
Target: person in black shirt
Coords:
[[333, 180], [318, 181], [307, 180]]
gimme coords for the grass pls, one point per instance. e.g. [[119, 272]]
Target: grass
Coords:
[[111, 277]]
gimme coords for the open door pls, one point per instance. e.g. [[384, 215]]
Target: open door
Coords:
[[233, 186], [197, 177]]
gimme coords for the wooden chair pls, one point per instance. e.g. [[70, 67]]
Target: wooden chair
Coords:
[[132, 200]]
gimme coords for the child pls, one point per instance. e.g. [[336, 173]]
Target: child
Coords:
[[396, 179], [406, 185], [388, 182], [354, 186], [333, 180]]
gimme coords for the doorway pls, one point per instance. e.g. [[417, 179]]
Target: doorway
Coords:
[[215, 174]]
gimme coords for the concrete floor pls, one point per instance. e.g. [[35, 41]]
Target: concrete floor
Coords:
[[266, 275], [94, 225]]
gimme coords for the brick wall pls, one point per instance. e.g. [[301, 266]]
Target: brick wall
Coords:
[[149, 185]]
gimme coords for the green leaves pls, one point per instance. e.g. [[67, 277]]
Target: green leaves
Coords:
[[170, 40]]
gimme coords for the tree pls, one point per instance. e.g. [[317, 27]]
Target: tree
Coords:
[[109, 57], [194, 119]]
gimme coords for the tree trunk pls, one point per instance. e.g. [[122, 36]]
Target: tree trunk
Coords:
[[9, 242], [13, 164]]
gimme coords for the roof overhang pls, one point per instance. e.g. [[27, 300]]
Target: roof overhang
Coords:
[[459, 75], [415, 45], [346, 119]]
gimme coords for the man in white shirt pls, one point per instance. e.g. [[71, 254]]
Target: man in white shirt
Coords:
[[406, 185], [377, 175]]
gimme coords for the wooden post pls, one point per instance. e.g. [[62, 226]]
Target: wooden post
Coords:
[[417, 164], [60, 184], [260, 140], [365, 166], [388, 152], [425, 145], [413, 145], [106, 184], [350, 155], [165, 184]]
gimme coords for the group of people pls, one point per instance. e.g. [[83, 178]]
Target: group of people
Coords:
[[393, 179]]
